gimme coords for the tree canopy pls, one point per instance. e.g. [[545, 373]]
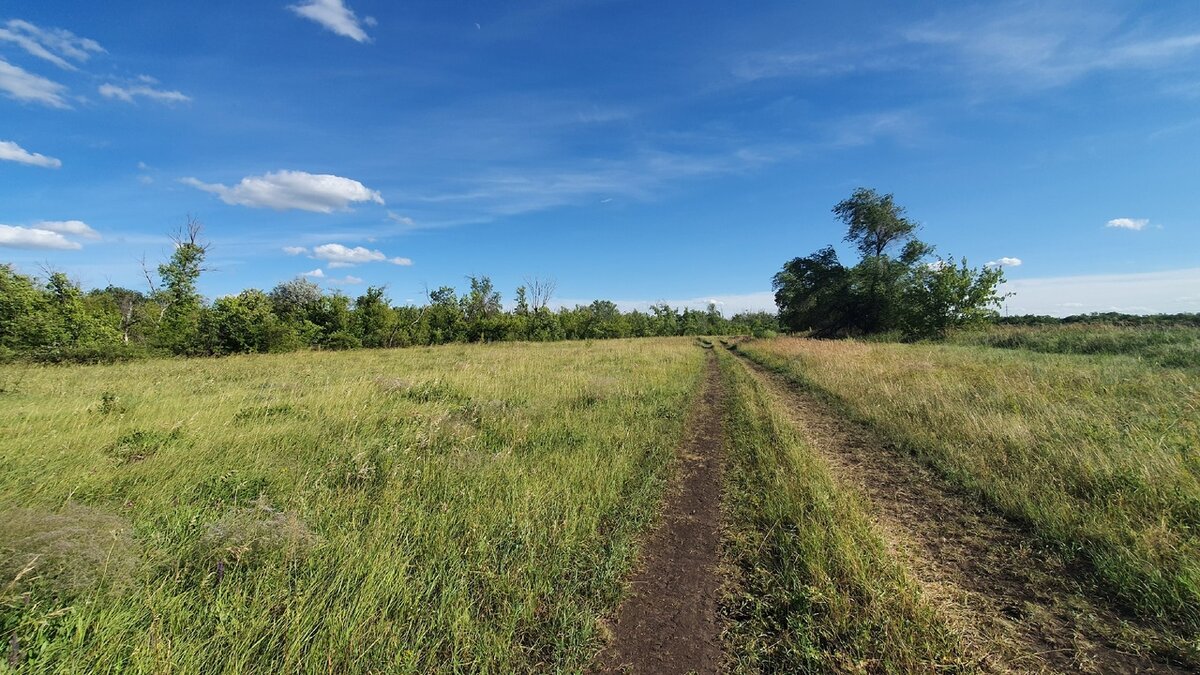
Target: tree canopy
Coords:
[[897, 284]]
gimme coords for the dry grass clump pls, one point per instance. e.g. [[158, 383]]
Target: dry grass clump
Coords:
[[65, 553], [248, 536]]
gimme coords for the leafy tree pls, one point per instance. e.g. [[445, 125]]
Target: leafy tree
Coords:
[[875, 223], [813, 293], [293, 300], [374, 322], [941, 295], [885, 291], [182, 303]]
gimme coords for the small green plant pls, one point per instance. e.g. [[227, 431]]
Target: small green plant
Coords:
[[140, 444], [109, 403]]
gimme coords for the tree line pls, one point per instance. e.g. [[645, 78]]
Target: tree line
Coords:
[[55, 320]]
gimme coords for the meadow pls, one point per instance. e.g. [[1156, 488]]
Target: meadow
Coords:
[[469, 508], [1096, 455], [1167, 346]]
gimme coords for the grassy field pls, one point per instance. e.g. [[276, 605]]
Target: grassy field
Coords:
[[1098, 456], [1172, 347], [817, 590], [454, 508]]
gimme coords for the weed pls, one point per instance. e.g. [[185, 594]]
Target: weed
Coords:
[[137, 445]]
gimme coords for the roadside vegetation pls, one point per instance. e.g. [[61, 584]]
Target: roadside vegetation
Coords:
[[1097, 456], [458, 508], [816, 589]]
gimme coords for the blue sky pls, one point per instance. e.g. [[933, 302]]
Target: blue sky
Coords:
[[634, 151]]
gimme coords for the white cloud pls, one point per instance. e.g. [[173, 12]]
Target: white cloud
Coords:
[[294, 250], [335, 16], [74, 227], [316, 274], [337, 255], [14, 153], [13, 236], [348, 280], [1143, 293], [1128, 223], [282, 190], [27, 87], [403, 220], [55, 45], [129, 93], [1004, 262], [1031, 45]]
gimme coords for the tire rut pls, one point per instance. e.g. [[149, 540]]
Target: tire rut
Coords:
[[669, 622], [1018, 607]]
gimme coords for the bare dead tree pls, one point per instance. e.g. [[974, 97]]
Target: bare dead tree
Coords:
[[540, 291]]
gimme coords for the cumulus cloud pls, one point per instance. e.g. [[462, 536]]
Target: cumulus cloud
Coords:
[[55, 45], [24, 86], [73, 227], [316, 274], [14, 236], [1128, 223], [1004, 262], [144, 90], [295, 250], [337, 255], [14, 153], [282, 190], [335, 16]]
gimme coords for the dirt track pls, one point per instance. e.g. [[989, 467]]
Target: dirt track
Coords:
[[669, 622], [1019, 608]]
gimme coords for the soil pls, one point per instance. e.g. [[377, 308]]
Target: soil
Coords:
[[1018, 606], [669, 621]]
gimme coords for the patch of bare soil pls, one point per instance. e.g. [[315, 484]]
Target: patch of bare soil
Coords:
[[1018, 607], [669, 621]]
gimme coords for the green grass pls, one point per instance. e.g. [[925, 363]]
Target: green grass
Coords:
[[1173, 347], [817, 591], [1099, 456], [452, 508]]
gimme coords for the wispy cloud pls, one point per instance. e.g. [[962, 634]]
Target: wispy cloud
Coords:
[[642, 177], [143, 88], [24, 86], [1128, 223], [1032, 45], [335, 16], [56, 45], [283, 190], [995, 46], [12, 152]]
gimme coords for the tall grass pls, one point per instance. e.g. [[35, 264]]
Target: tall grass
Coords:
[[1169, 346], [1100, 457], [818, 590], [451, 508]]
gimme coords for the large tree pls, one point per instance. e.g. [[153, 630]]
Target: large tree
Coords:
[[891, 288]]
